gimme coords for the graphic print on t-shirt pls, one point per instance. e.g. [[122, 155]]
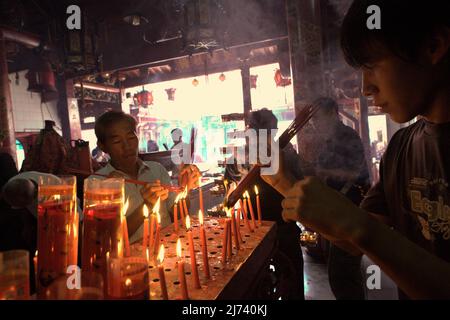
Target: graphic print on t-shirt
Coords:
[[430, 200]]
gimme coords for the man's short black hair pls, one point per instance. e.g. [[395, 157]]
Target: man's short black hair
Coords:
[[262, 119], [405, 27], [176, 129], [109, 118]]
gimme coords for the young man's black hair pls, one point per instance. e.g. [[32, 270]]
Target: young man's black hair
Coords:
[[405, 27]]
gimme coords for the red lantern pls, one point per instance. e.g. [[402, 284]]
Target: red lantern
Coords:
[[280, 81], [143, 98], [40, 77]]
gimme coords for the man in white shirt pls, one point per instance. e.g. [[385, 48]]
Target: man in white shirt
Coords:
[[116, 135]]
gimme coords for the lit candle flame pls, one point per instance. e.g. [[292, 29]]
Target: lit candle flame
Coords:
[[128, 282], [246, 194], [161, 254], [158, 217], [148, 255], [200, 216], [179, 197], [228, 211], [36, 253], [125, 208], [178, 248], [188, 222], [156, 206], [145, 211], [256, 190]]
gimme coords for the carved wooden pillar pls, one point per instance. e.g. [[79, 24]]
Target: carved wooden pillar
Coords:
[[7, 131], [68, 110]]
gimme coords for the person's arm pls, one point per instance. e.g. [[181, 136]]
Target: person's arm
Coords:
[[420, 274]]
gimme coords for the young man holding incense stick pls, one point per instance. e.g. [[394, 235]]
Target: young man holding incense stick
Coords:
[[116, 135], [403, 224]]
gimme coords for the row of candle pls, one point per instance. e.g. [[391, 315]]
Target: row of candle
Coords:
[[232, 223], [151, 238], [180, 262]]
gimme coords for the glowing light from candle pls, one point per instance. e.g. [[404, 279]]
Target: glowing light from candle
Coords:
[[188, 222], [200, 216], [156, 206], [128, 282], [178, 248], [145, 211], [185, 192], [147, 254], [161, 254], [179, 197], [256, 190], [228, 211], [158, 217], [125, 208]]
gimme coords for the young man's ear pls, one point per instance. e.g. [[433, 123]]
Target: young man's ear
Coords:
[[439, 46]]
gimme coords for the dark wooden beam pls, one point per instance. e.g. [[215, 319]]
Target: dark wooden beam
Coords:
[[194, 71]]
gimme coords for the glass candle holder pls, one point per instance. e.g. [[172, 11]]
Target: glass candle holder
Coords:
[[128, 278], [102, 229], [58, 221]]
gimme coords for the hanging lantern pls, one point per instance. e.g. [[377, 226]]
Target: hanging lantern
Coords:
[[171, 94], [204, 25], [222, 77], [280, 81], [81, 47], [195, 82], [253, 79], [143, 98], [40, 77]]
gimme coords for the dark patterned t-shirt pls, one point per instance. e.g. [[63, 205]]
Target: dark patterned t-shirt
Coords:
[[414, 186]]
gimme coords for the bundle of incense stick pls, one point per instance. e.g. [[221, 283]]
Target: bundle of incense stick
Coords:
[[299, 122], [139, 182]]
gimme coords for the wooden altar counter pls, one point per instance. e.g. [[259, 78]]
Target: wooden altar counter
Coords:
[[234, 280]]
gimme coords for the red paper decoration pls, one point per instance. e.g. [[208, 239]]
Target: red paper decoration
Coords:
[[280, 81]]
